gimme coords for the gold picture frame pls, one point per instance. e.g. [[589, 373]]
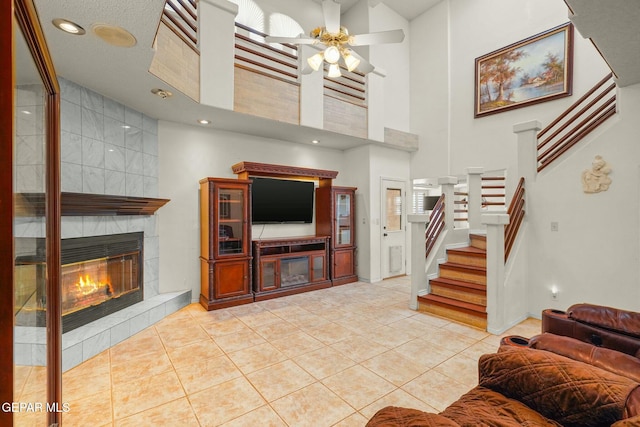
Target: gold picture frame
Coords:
[[534, 70]]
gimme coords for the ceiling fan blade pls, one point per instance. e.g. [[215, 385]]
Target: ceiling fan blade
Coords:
[[365, 66], [391, 36], [301, 39], [331, 11]]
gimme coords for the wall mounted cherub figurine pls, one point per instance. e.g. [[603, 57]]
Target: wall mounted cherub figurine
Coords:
[[596, 179]]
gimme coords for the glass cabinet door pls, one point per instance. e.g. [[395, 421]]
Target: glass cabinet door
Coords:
[[268, 275], [318, 271], [231, 221], [343, 220]]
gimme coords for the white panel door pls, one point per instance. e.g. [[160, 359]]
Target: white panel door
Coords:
[[393, 231]]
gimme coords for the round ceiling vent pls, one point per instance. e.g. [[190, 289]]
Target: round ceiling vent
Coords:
[[113, 35]]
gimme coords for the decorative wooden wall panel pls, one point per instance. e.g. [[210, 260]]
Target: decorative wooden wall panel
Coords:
[[176, 63], [344, 117], [264, 96]]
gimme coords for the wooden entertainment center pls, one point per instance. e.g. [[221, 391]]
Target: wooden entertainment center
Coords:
[[235, 270]]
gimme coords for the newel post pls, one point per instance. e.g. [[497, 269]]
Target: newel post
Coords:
[[474, 187], [527, 134], [448, 183], [495, 271], [418, 257]]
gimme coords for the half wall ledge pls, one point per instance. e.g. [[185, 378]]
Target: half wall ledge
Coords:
[[402, 140]]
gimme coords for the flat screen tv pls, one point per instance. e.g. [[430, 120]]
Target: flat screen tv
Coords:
[[277, 201]]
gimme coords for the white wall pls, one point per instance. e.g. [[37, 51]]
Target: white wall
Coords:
[[389, 164], [594, 255], [430, 92], [366, 166], [478, 27], [190, 153], [393, 59], [487, 141]]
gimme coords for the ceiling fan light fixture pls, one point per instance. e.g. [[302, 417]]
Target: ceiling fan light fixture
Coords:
[[334, 71], [351, 61], [315, 61], [332, 54]]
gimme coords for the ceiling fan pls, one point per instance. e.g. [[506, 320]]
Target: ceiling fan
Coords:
[[337, 42]]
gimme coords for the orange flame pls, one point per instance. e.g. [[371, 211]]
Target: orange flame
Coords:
[[88, 286]]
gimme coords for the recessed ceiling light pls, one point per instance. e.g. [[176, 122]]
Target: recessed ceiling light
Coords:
[[315, 141], [68, 26], [164, 94], [126, 127], [115, 36], [204, 121]]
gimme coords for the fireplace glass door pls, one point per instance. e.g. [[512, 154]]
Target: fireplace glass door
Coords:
[[294, 271], [93, 282]]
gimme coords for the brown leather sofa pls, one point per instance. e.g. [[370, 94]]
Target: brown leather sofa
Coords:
[[524, 386], [583, 370], [598, 325]]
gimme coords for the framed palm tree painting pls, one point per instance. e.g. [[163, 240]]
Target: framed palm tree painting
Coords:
[[531, 71]]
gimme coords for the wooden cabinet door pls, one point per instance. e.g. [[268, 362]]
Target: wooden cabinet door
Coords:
[[231, 278], [343, 263]]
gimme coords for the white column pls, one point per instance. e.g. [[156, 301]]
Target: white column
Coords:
[[311, 91], [474, 187], [527, 133], [375, 104], [418, 257], [217, 47], [495, 223], [447, 183]]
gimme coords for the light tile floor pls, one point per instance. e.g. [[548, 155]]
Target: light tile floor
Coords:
[[325, 358]]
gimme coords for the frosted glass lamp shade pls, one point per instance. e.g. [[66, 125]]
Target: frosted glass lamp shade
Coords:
[[332, 54], [315, 61], [334, 71], [351, 61]]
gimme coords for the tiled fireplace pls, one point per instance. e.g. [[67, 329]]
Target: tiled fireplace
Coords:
[[107, 149]]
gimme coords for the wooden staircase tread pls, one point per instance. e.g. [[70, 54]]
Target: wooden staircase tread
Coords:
[[455, 266], [478, 309], [468, 250], [459, 283], [478, 236]]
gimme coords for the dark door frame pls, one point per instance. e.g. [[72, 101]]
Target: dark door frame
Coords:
[[27, 19]]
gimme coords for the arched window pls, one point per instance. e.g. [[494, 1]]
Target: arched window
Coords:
[[250, 15]]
